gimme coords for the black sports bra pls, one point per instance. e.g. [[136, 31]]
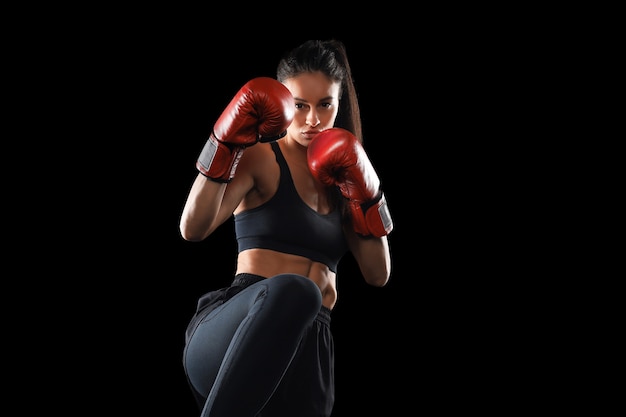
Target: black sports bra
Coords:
[[287, 224]]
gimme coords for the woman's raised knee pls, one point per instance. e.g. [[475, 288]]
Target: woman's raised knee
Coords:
[[297, 292]]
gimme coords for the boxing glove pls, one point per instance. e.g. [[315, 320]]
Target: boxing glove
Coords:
[[260, 111], [335, 157]]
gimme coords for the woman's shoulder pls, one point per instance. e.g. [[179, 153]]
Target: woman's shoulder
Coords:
[[258, 155], [260, 162]]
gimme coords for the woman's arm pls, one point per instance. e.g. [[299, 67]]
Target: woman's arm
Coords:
[[211, 203], [373, 256], [336, 158], [260, 111], [201, 213]]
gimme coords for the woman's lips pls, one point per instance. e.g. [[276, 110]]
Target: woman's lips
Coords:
[[309, 134]]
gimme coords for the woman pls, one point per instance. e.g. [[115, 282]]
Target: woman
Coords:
[[285, 158]]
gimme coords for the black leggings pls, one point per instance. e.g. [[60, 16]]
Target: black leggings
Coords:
[[261, 347]]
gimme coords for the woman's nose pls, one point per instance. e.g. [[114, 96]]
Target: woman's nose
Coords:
[[312, 119]]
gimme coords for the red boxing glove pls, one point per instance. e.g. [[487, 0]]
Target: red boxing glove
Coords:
[[336, 157], [262, 110]]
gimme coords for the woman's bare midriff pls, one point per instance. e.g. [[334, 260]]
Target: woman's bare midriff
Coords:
[[267, 263]]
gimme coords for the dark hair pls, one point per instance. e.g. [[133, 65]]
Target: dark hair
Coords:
[[330, 58]]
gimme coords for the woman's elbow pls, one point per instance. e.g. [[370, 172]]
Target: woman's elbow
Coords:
[[377, 278], [190, 234]]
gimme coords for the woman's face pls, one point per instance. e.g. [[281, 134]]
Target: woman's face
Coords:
[[317, 102]]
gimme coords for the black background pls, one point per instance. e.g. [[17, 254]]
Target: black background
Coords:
[[143, 104]]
